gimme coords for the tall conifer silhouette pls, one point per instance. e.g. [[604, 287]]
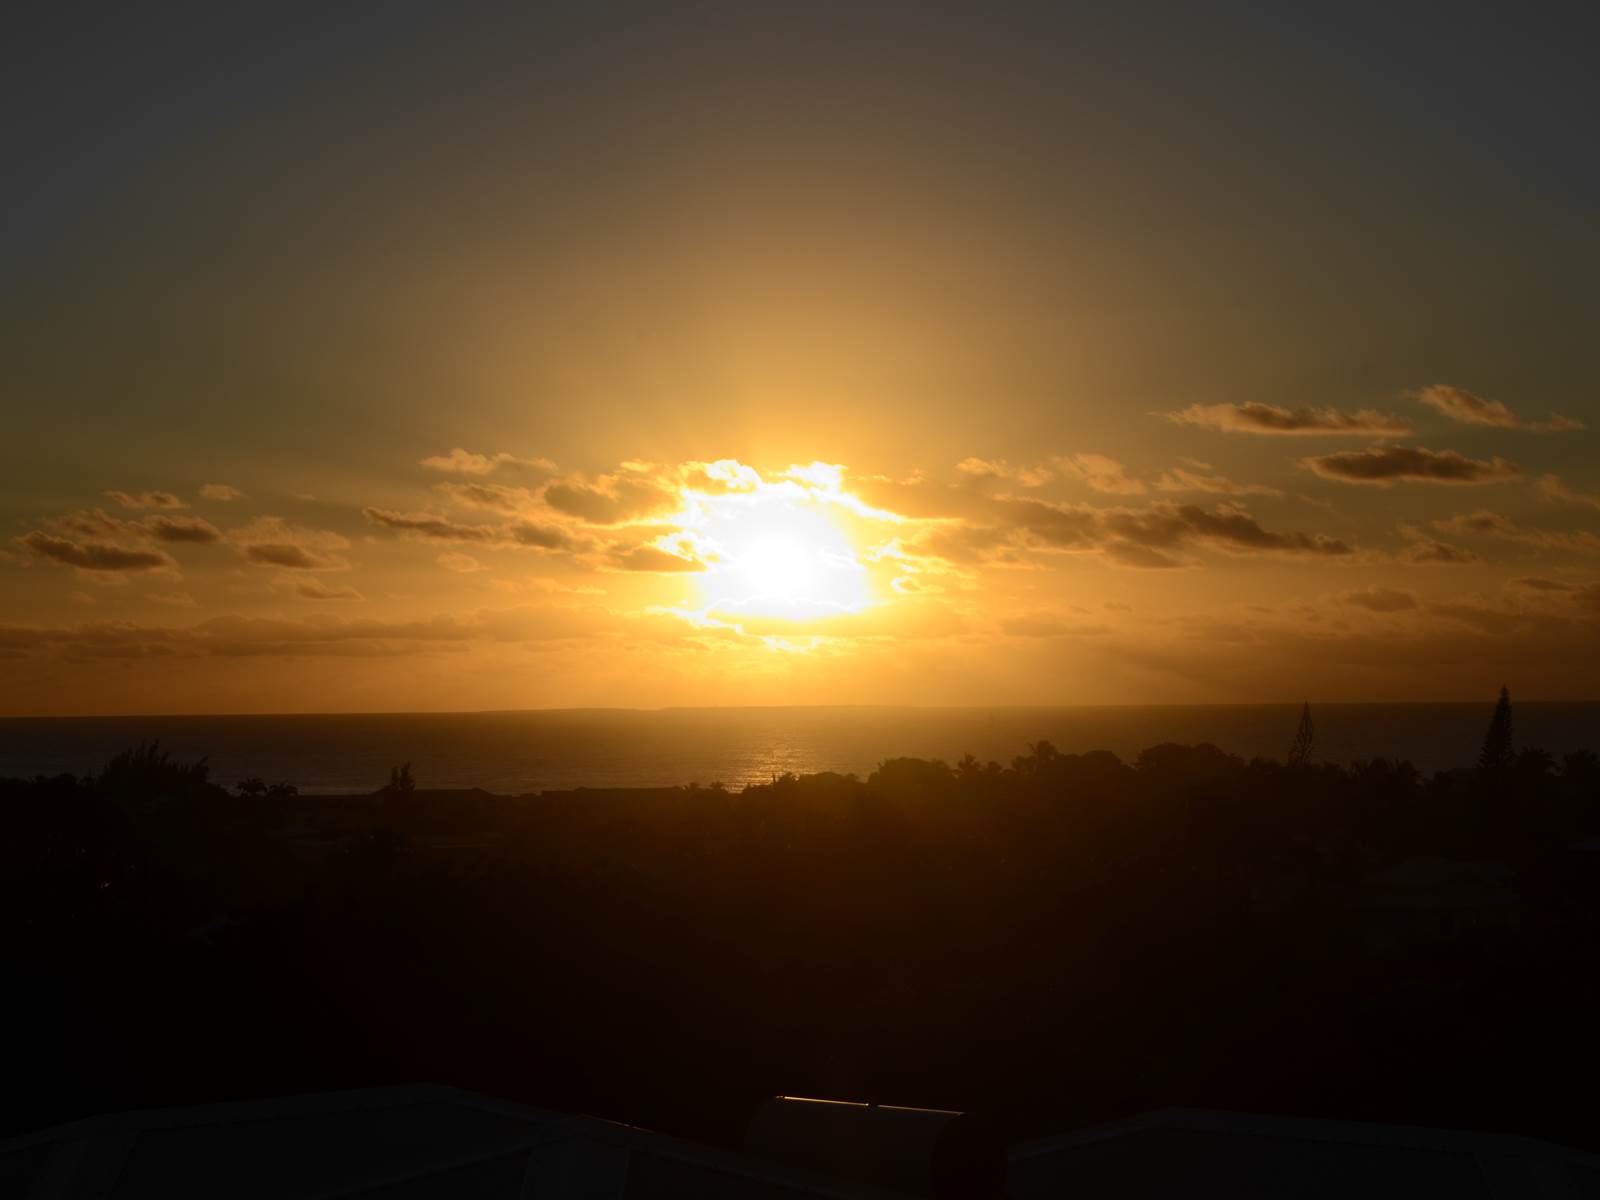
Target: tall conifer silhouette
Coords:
[[1497, 748], [1305, 738]]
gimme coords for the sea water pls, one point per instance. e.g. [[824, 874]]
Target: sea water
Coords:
[[518, 752]]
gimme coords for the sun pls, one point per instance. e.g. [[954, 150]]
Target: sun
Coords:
[[778, 567], [778, 554]]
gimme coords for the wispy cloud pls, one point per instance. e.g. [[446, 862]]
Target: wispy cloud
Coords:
[[1430, 552], [1550, 487], [1200, 478], [1099, 474], [1259, 418], [1484, 523], [1380, 599], [146, 499], [464, 462], [1463, 406], [221, 491]]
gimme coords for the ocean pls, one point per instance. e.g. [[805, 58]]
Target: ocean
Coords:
[[520, 752]]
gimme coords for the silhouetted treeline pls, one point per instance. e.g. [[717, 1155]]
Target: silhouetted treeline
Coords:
[[1065, 939]]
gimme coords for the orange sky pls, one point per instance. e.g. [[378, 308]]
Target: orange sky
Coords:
[[639, 355], [495, 579]]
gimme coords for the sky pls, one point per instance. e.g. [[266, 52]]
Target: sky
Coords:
[[424, 357]]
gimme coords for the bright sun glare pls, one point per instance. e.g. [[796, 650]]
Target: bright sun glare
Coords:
[[777, 553]]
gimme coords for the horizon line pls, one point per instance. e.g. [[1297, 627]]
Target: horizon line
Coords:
[[1489, 700]]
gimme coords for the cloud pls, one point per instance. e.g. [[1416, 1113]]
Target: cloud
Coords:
[[1426, 551], [960, 525], [1384, 466], [424, 526], [274, 542], [493, 496], [983, 468], [283, 554], [1380, 599], [190, 530], [96, 557], [1129, 554], [433, 526], [173, 599], [613, 499], [1535, 583], [465, 564], [1468, 409], [221, 491], [1483, 523], [654, 559], [1099, 473], [1270, 419], [1550, 487], [1491, 524], [315, 589], [723, 477], [147, 500], [544, 537], [1230, 529], [159, 528], [464, 462], [1096, 471], [1182, 479]]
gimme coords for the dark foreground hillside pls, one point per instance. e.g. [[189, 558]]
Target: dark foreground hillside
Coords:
[[1066, 940]]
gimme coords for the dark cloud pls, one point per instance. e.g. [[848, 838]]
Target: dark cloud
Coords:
[[191, 530], [1235, 529], [542, 537], [1461, 405], [1380, 599], [313, 589], [966, 526], [274, 542], [1271, 419], [1166, 526], [432, 526], [1383, 466], [93, 556], [147, 500], [159, 528], [1534, 583]]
